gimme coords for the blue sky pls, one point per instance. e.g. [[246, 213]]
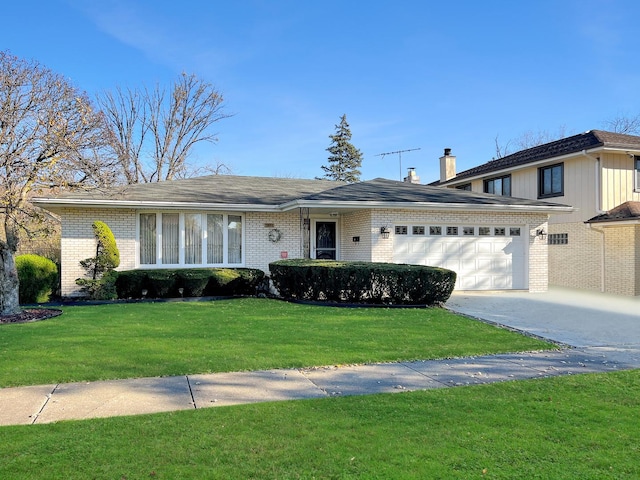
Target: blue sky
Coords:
[[408, 74]]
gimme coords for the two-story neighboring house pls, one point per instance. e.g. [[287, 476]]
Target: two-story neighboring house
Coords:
[[596, 247]]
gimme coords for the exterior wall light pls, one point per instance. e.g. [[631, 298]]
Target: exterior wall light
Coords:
[[385, 232], [541, 234]]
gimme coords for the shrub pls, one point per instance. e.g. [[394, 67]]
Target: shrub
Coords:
[[103, 288], [130, 283], [362, 282], [107, 258], [160, 283], [195, 282], [234, 281], [107, 254], [38, 278]]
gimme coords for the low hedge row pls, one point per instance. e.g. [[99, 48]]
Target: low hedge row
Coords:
[[194, 282], [362, 282]]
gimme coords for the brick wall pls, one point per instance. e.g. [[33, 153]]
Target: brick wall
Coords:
[[260, 251], [78, 241], [577, 264], [356, 224], [622, 262], [602, 258]]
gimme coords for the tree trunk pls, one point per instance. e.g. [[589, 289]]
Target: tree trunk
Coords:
[[9, 297]]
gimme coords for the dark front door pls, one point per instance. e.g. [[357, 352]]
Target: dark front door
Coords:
[[326, 240]]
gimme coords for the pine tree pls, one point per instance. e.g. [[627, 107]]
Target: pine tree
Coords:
[[345, 160]]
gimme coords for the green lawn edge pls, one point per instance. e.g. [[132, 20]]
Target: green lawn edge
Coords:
[[569, 427], [132, 340]]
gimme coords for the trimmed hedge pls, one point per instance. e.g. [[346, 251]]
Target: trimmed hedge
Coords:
[[38, 278], [194, 282], [362, 282]]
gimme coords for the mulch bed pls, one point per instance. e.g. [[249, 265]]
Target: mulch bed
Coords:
[[30, 315]]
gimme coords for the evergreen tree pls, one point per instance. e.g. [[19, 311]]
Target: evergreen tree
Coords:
[[345, 160]]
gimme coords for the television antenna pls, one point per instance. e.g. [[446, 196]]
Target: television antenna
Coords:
[[399, 152]]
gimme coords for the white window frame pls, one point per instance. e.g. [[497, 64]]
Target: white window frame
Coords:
[[636, 173], [181, 252]]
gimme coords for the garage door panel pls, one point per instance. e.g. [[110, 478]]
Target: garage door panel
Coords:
[[484, 247], [501, 283], [451, 247]]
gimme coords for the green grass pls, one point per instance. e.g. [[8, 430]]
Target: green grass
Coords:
[[160, 339], [571, 427]]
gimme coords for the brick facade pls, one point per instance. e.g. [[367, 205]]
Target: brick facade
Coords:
[[78, 242], [599, 258]]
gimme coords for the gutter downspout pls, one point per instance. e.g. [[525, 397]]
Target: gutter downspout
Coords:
[[598, 176], [602, 256], [598, 185]]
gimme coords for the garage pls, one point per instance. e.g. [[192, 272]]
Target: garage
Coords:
[[485, 257]]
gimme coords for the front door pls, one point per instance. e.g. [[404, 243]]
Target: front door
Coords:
[[325, 240]]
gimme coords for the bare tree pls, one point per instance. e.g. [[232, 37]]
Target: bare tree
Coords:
[[154, 131], [629, 125], [527, 140], [47, 129]]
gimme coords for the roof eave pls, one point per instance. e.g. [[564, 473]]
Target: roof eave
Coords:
[[74, 202], [338, 205], [613, 223], [548, 209]]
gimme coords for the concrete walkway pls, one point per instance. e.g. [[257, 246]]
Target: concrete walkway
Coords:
[[605, 330]]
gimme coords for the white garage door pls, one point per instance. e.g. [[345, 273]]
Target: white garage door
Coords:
[[484, 257]]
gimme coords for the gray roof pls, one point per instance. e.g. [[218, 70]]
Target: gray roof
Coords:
[[391, 191], [577, 143], [280, 194], [211, 189]]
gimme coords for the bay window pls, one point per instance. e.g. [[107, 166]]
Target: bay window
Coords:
[[190, 239]]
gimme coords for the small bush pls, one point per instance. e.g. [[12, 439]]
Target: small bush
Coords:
[[103, 288], [130, 283], [362, 282], [107, 254], [195, 282], [161, 283], [101, 284], [38, 278]]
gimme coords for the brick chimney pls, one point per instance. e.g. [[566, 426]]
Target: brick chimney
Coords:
[[447, 166], [412, 177]]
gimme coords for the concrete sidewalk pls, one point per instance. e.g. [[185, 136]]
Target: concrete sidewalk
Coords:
[[52, 403]]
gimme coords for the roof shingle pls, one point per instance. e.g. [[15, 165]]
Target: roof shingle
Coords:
[[564, 146], [625, 211]]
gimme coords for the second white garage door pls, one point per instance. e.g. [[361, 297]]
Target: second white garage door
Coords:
[[484, 257]]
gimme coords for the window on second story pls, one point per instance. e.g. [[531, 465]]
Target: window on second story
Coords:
[[551, 181], [464, 186], [636, 160], [498, 186]]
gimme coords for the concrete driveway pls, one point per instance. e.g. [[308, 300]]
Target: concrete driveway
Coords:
[[599, 322]]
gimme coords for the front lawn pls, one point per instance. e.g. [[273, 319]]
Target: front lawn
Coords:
[[571, 427], [162, 339]]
